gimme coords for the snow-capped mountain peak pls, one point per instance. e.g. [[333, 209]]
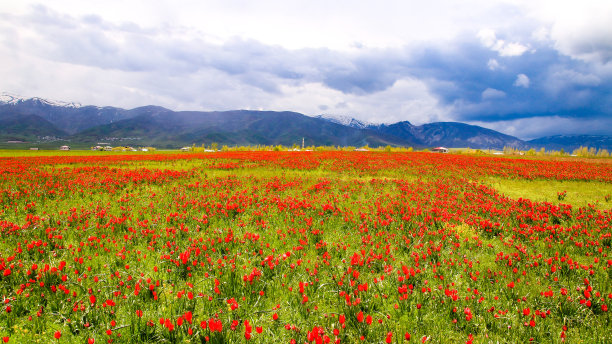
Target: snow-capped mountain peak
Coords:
[[347, 121], [13, 99]]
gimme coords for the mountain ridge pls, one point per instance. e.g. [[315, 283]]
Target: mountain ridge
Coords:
[[571, 142], [156, 125]]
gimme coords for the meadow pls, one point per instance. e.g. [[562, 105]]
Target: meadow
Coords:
[[304, 247]]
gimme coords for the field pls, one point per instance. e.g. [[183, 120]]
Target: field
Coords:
[[304, 247]]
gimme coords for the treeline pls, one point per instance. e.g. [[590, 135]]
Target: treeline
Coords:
[[580, 152], [214, 147], [591, 152]]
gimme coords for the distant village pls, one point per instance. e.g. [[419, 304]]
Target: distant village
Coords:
[[104, 146]]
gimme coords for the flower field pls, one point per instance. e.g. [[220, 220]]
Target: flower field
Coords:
[[303, 247]]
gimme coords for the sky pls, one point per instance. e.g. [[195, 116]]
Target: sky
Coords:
[[526, 68]]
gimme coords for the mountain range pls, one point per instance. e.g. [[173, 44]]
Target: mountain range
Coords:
[[39, 120]]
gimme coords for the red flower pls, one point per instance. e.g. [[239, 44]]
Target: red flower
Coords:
[[360, 316], [57, 335]]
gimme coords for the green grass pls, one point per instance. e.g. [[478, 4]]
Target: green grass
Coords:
[[578, 193]]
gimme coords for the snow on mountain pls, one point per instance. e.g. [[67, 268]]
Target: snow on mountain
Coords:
[[347, 121], [12, 99], [8, 98]]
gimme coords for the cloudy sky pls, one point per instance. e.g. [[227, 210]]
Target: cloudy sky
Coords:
[[526, 68]]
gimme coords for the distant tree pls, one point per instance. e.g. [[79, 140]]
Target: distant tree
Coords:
[[214, 146], [510, 150], [581, 151], [603, 153]]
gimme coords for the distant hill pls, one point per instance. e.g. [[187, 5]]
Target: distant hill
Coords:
[[571, 142], [33, 118], [242, 127], [69, 117], [26, 128], [239, 127], [451, 134]]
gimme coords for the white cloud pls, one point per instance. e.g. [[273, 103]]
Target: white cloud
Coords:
[[522, 80], [491, 93], [408, 99], [576, 78], [296, 24], [493, 64], [580, 29], [542, 34], [489, 39]]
